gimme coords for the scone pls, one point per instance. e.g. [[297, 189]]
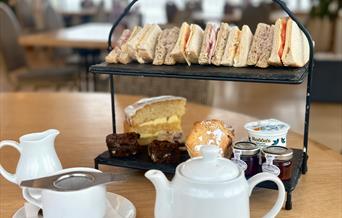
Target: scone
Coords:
[[209, 132], [156, 118]]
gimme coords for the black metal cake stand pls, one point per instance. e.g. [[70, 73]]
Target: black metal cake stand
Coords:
[[276, 75]]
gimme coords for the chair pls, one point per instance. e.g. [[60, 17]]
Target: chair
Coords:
[[253, 15], [24, 12], [16, 65], [52, 20]]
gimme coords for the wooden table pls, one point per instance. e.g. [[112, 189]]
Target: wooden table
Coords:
[[85, 119], [84, 36], [90, 38]]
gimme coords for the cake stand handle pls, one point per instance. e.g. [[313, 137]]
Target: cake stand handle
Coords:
[[309, 82]]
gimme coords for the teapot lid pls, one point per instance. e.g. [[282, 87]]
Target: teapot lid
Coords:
[[211, 167]]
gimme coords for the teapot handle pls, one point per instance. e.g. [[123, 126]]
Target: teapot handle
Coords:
[[261, 177], [9, 176]]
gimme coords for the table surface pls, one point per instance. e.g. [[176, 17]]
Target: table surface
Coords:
[[85, 119], [84, 36]]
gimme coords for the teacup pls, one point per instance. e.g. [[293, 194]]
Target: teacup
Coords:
[[85, 203]]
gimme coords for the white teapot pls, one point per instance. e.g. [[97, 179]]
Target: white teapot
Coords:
[[209, 187]]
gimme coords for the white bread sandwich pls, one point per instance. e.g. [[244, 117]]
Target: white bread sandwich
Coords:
[[261, 46], [241, 55], [279, 38], [208, 44], [178, 52], [231, 46], [221, 41], [166, 41], [193, 46], [296, 48], [132, 43], [146, 46], [112, 57]]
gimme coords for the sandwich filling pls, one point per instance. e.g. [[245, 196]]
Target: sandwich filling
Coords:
[[282, 37], [124, 37], [211, 42], [112, 57]]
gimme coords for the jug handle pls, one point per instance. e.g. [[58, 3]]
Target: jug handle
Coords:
[[261, 177], [9, 176], [29, 198]]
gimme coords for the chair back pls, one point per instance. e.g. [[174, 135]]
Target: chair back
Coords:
[[252, 15], [13, 53], [24, 12], [52, 19]]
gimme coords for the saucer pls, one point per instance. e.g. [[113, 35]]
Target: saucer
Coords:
[[118, 207]]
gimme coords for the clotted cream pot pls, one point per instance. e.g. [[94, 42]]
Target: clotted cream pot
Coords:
[[209, 187]]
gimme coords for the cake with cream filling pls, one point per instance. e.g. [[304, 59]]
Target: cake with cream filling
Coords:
[[156, 118]]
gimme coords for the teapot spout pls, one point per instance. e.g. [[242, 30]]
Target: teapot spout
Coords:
[[163, 193]]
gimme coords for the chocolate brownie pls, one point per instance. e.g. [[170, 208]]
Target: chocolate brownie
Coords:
[[164, 152], [123, 145]]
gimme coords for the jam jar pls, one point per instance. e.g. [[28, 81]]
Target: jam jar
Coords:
[[246, 155], [277, 160]]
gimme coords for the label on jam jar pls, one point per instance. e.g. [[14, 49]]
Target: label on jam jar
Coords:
[[269, 167], [236, 159]]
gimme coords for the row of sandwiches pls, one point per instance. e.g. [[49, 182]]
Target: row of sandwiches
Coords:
[[281, 44]]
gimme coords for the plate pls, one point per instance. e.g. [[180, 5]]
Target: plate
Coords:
[[118, 207]]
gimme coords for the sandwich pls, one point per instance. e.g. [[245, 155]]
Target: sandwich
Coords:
[[261, 46], [278, 42], [296, 48], [112, 57], [208, 44], [221, 41], [133, 42], [146, 46], [241, 55], [193, 46], [166, 41], [169, 59], [231, 46], [178, 52]]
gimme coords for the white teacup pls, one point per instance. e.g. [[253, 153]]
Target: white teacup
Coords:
[[85, 203]]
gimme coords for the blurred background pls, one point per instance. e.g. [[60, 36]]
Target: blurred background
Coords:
[[48, 46]]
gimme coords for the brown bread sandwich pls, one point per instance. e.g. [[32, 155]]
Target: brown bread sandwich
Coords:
[[261, 46], [166, 41]]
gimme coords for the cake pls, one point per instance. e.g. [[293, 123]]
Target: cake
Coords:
[[209, 132], [123, 145], [164, 152], [156, 118]]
